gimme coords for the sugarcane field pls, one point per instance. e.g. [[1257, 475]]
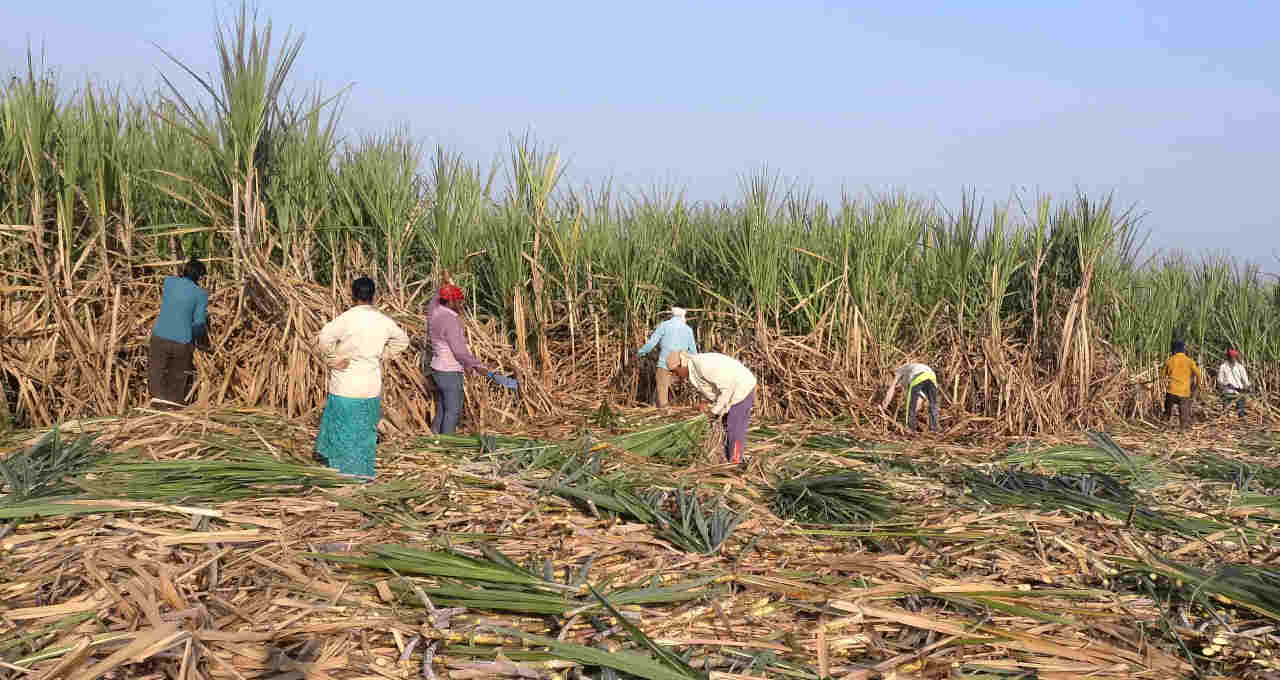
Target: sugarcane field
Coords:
[[278, 403]]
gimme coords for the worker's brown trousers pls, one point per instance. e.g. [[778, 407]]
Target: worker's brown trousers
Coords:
[[171, 365]]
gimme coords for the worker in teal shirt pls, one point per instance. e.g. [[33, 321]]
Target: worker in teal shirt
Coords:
[[672, 335], [178, 331]]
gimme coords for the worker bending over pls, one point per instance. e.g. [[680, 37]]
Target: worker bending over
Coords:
[[728, 385], [919, 382]]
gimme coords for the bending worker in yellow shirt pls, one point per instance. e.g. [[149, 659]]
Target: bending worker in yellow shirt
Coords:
[[1184, 377]]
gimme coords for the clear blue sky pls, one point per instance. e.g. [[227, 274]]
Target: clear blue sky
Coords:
[[1173, 105]]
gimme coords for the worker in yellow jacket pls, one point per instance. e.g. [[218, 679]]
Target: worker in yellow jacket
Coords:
[[1185, 377]]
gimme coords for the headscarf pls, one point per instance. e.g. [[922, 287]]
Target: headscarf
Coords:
[[1233, 354], [1178, 347], [450, 293]]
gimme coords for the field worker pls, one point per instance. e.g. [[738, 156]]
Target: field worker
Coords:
[[450, 357], [1233, 381], [1184, 377], [179, 329], [918, 381], [353, 346], [672, 335], [728, 385]]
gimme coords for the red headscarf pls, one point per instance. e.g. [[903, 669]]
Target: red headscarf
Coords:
[[1233, 354], [450, 292]]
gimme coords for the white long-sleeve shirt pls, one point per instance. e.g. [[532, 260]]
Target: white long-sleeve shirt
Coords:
[[1232, 377], [723, 380], [364, 336]]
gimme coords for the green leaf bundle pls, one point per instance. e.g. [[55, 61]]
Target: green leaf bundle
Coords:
[[43, 470], [834, 498]]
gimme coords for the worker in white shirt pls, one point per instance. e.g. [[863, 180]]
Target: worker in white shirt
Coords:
[[920, 382], [1233, 381], [353, 346], [728, 385]]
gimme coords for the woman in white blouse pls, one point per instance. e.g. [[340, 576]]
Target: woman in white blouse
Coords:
[[354, 345]]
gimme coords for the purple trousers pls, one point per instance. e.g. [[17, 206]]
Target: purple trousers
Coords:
[[735, 428]]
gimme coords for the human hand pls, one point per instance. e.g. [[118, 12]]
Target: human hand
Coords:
[[341, 364]]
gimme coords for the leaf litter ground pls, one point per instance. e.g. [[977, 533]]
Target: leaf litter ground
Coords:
[[614, 545]]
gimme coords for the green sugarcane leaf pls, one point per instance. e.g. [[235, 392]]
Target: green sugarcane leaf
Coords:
[[666, 657], [635, 664]]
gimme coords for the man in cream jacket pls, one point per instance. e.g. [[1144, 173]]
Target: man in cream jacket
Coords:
[[728, 385]]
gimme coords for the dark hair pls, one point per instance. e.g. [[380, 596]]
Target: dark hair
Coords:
[[193, 269], [1178, 347], [362, 289]]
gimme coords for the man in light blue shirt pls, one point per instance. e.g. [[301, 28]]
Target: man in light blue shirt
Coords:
[[672, 335]]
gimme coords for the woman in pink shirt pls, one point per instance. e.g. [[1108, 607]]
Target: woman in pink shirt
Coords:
[[450, 357]]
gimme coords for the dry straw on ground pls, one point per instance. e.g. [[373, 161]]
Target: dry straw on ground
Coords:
[[949, 587]]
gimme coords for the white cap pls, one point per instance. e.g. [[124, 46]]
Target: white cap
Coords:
[[677, 311]]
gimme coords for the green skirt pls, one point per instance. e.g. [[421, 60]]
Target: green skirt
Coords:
[[349, 434]]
